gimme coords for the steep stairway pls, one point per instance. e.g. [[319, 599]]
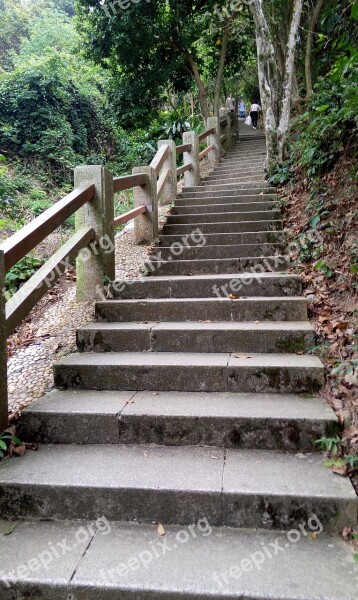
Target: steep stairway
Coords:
[[192, 402]]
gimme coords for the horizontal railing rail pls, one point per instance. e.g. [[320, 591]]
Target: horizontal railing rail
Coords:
[[32, 234], [19, 306], [184, 169], [160, 158], [127, 182], [206, 134], [184, 148], [205, 152], [161, 182], [92, 245], [129, 216]]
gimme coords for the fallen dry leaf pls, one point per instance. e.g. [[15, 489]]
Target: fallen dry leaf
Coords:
[[161, 530]]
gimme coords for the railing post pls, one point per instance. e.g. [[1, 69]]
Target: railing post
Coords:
[[214, 156], [192, 177], [3, 354], [235, 129], [228, 131], [96, 264], [171, 186], [146, 227]]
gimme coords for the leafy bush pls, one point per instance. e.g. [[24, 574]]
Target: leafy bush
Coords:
[[20, 273], [329, 127]]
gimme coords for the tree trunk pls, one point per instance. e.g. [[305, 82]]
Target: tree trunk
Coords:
[[309, 46], [200, 85], [288, 79], [268, 78], [221, 69]]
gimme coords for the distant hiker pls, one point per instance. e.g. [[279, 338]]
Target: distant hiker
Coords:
[[242, 109], [230, 104], [255, 110]]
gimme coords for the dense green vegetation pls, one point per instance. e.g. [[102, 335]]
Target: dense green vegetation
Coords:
[[82, 83]]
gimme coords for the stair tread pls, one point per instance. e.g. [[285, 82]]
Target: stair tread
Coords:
[[184, 469], [300, 326], [206, 562], [185, 404], [176, 359]]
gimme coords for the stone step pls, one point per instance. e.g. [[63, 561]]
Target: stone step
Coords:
[[250, 264], [195, 309], [240, 163], [198, 563], [223, 227], [226, 207], [151, 484], [233, 177], [223, 217], [199, 192], [236, 170], [200, 199], [222, 239], [251, 184], [242, 189], [208, 286], [183, 252], [259, 421], [191, 372], [220, 336]]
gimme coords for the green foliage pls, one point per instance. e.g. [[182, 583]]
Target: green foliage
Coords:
[[331, 445], [21, 272], [5, 440], [52, 105], [281, 173]]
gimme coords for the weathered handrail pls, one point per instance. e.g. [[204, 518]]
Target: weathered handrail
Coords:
[[127, 182], [205, 152], [161, 182], [160, 158], [184, 148], [129, 216], [19, 306], [183, 169], [206, 134], [32, 234]]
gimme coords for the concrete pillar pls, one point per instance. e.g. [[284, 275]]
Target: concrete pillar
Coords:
[[171, 186], [192, 178], [228, 131], [235, 128], [96, 265], [3, 357], [146, 227], [214, 156]]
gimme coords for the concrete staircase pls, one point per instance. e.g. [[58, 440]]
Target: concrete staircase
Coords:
[[190, 403]]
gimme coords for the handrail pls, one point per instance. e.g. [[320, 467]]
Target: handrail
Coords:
[[184, 148], [127, 182], [19, 306], [161, 182], [128, 216], [160, 158], [206, 134], [206, 151], [183, 169], [223, 137], [222, 121], [32, 234]]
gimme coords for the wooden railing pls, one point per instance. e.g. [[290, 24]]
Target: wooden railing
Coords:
[[92, 245]]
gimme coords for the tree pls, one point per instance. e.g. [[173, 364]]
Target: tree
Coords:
[[171, 42], [276, 72]]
